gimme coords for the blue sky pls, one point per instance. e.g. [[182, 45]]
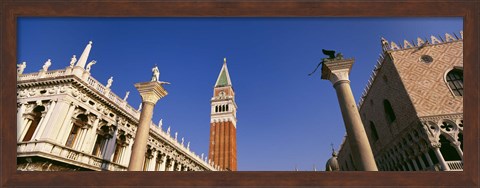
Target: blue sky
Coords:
[[286, 119]]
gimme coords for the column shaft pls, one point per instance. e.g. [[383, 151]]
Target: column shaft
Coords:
[[429, 160], [141, 137], [422, 164], [357, 137], [441, 160]]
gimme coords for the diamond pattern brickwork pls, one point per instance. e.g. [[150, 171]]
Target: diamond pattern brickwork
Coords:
[[425, 82]]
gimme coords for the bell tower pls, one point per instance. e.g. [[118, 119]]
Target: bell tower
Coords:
[[223, 123]]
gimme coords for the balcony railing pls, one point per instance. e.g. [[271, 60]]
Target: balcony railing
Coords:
[[67, 155], [455, 165]]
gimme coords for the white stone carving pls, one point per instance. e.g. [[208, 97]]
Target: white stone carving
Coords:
[[126, 96], [109, 82], [73, 61], [21, 67], [156, 74], [47, 64], [89, 65]]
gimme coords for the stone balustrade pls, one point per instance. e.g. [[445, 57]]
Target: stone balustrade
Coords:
[[179, 146], [455, 165], [67, 155]]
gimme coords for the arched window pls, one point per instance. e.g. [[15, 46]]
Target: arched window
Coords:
[[216, 108], [227, 107], [374, 131], [35, 118], [389, 113], [119, 147], [455, 81], [79, 122], [448, 151], [223, 108], [101, 140]]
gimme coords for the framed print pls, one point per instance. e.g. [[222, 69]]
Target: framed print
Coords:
[[123, 88]]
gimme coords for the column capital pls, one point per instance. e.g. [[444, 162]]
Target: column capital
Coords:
[[337, 70], [151, 91]]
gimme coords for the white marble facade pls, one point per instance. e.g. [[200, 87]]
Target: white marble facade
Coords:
[[67, 117]]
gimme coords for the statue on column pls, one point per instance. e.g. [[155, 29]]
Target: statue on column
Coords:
[[331, 56], [156, 74], [109, 82], [73, 61], [21, 67], [46, 65], [89, 65], [126, 95]]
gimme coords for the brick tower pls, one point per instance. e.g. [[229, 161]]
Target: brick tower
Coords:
[[223, 123]]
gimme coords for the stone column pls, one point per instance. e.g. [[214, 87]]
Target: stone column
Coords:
[[409, 166], [414, 163], [440, 158], [337, 72], [127, 153], [429, 160], [20, 124], [163, 162], [456, 145], [422, 164], [153, 161], [151, 92], [172, 165]]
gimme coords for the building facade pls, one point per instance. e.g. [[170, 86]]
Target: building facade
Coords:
[[223, 123], [412, 107], [67, 120]]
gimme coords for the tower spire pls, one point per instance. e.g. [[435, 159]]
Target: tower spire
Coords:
[[83, 58], [224, 77]]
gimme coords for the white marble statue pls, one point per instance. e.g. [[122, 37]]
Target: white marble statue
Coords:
[[139, 107], [109, 82], [21, 67], [89, 65], [126, 95], [168, 130], [188, 145], [73, 61], [160, 123], [202, 156], [156, 74], [176, 134], [46, 65], [183, 140]]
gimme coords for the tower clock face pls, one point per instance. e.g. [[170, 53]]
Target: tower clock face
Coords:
[[221, 94]]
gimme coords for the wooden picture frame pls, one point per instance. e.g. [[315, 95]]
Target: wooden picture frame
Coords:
[[12, 10]]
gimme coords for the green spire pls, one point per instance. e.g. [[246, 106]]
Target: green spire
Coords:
[[223, 78]]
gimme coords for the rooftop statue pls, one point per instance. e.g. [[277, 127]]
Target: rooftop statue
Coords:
[[331, 56], [160, 123], [168, 130], [21, 67], [89, 65], [109, 82], [126, 95], [73, 61], [46, 65]]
